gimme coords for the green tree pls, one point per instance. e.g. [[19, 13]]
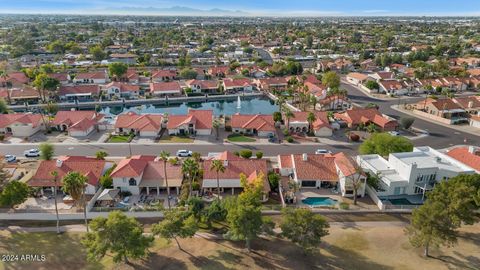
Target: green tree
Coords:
[[119, 235], [98, 54], [101, 155], [273, 180], [331, 80], [216, 126], [277, 116], [117, 70], [259, 154], [176, 224], [195, 207], [3, 106], [216, 211], [56, 46], [188, 74], [218, 167], [47, 151], [372, 85], [407, 122], [304, 228], [310, 119], [45, 83], [244, 215], [74, 184], [245, 153], [164, 156], [15, 192], [383, 144], [190, 170]]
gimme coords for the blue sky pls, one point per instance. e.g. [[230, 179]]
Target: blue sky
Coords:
[[256, 7]]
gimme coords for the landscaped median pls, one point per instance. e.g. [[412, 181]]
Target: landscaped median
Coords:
[[240, 138]]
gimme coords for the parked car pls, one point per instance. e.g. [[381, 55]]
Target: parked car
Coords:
[[394, 133], [322, 152], [10, 158], [32, 153], [184, 153]]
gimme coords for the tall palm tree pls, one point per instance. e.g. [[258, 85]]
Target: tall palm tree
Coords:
[[4, 76], [310, 119], [190, 169], [216, 126], [217, 166], [55, 175], [288, 115], [74, 184], [164, 155]]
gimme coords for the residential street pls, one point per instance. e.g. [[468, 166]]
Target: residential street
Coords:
[[440, 136]]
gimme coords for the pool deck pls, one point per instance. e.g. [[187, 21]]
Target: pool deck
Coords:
[[362, 203]]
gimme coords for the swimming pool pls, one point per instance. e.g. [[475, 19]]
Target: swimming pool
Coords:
[[401, 201], [319, 201]]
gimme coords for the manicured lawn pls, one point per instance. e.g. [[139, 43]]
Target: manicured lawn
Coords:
[[381, 246], [175, 139], [119, 139], [240, 138]]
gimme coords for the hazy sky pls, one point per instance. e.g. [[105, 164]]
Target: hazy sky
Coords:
[[257, 7]]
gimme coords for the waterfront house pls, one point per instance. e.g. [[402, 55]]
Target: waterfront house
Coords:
[[231, 85], [14, 79], [122, 90], [21, 124], [92, 168], [203, 86], [196, 122], [126, 58], [63, 78], [412, 173], [468, 155], [253, 124], [146, 174], [79, 123], [143, 125], [272, 84], [162, 89], [320, 127], [361, 116], [25, 94], [331, 171], [81, 92], [230, 178]]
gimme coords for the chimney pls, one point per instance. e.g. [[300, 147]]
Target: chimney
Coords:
[[474, 150], [225, 163], [470, 104], [59, 163], [304, 157]]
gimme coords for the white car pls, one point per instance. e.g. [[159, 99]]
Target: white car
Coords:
[[322, 152], [32, 153], [394, 133], [184, 153], [10, 158]]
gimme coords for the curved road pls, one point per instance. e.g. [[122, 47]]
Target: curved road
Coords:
[[440, 136]]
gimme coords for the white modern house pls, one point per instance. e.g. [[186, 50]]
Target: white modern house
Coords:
[[412, 173]]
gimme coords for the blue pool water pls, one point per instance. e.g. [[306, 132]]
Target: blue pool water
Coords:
[[260, 105], [319, 201]]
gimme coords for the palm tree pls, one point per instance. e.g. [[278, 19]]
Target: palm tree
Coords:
[[164, 155], [55, 175], [310, 119], [74, 184], [217, 166], [313, 100], [216, 126], [4, 76], [190, 170], [288, 115]]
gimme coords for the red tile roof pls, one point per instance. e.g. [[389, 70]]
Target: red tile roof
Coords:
[[91, 75], [230, 82], [165, 86], [79, 89], [466, 157], [140, 122], [316, 167], [260, 122], [90, 167], [357, 116], [70, 118], [164, 73], [24, 118], [321, 119], [15, 77], [124, 87], [203, 119], [204, 84], [25, 92], [234, 168]]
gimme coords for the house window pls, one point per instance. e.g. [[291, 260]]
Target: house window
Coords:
[[132, 182]]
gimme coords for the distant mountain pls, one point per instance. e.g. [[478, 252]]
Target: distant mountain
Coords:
[[176, 10]]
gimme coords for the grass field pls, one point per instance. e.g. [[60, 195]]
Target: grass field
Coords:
[[175, 139], [119, 139], [366, 247], [240, 138]]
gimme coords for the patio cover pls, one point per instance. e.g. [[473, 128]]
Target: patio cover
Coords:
[[108, 195]]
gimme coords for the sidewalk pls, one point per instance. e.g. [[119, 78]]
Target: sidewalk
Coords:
[[466, 129]]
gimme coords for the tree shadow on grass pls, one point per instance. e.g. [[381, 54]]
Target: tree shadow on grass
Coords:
[[61, 251], [156, 261]]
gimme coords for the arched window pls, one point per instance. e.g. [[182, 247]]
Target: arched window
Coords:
[[132, 182]]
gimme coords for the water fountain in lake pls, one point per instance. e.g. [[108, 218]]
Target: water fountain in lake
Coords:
[[239, 103]]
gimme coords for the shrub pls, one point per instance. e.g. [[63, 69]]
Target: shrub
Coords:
[[354, 137], [407, 122], [236, 153], [259, 155], [2, 137], [273, 179], [344, 206], [246, 153], [228, 128], [289, 139], [286, 132]]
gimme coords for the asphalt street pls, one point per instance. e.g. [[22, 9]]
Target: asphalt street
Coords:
[[440, 136]]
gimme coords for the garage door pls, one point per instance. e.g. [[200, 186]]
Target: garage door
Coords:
[[309, 183]]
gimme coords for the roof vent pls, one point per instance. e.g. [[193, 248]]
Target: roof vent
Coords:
[[59, 163], [304, 157]]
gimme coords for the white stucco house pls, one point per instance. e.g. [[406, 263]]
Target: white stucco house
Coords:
[[196, 122], [21, 124]]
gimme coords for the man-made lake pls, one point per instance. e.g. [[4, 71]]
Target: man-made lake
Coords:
[[247, 106]]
